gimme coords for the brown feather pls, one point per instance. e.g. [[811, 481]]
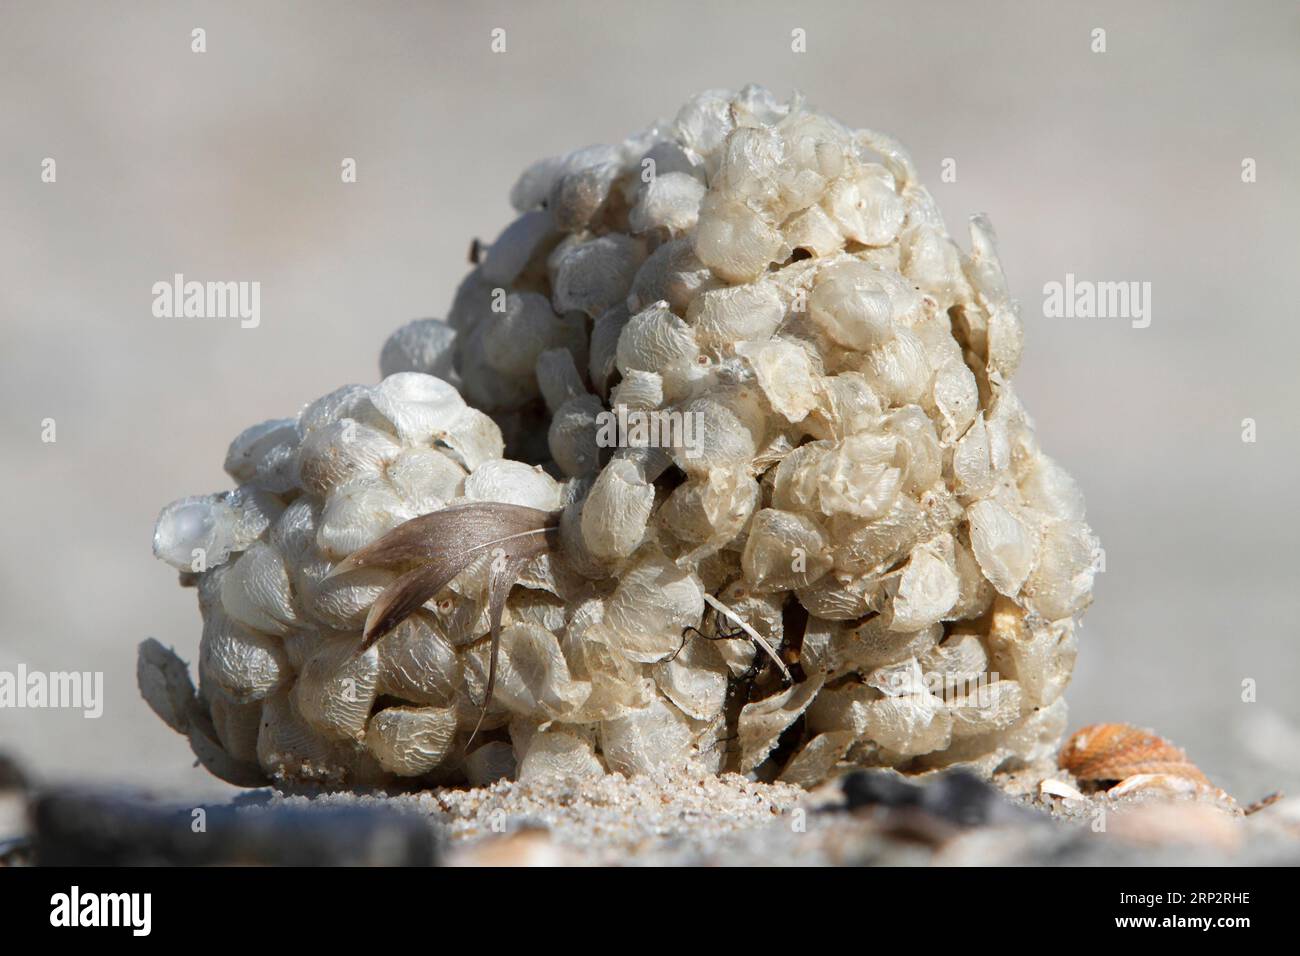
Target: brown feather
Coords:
[[446, 543], [459, 528], [501, 578]]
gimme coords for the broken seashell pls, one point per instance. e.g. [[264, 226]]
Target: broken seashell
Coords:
[[1102, 753]]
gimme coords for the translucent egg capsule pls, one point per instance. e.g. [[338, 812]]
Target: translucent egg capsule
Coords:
[[656, 340], [573, 437], [784, 551], [515, 336], [911, 724], [194, 533], [265, 455], [337, 687], [653, 602], [1005, 541], [359, 512], [518, 243], [425, 478], [417, 664], [342, 451], [616, 511], [668, 204], [256, 592], [927, 589], [556, 754], [425, 345], [866, 208], [703, 123], [672, 273], [245, 664], [409, 741], [591, 275], [724, 317], [733, 240], [851, 302], [417, 407], [579, 189], [515, 483], [987, 708]]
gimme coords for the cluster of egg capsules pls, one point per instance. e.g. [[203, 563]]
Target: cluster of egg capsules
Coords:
[[844, 549]]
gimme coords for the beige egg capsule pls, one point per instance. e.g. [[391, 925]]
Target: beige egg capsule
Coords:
[[617, 511], [927, 589], [557, 754], [293, 752], [653, 602], [813, 231], [574, 436], [341, 451], [1005, 539], [534, 678], [246, 664], [723, 318], [694, 678], [337, 686], [785, 551], [256, 592], [409, 741], [733, 240], [987, 709], [656, 340], [668, 204], [911, 724], [710, 511], [652, 739], [591, 275], [418, 664], [357, 513], [673, 273], [1039, 656]]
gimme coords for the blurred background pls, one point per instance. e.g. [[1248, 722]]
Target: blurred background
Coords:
[[1117, 166]]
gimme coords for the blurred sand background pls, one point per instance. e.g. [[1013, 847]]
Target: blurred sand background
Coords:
[[1116, 166]]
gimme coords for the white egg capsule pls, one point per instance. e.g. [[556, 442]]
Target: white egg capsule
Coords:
[[425, 345], [591, 275]]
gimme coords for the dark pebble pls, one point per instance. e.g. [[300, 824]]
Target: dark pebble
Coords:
[[90, 828], [957, 797]]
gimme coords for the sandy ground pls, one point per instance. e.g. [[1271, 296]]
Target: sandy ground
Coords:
[[697, 819], [692, 818]]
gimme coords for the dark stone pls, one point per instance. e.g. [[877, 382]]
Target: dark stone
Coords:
[[958, 797], [89, 828], [11, 775], [878, 788]]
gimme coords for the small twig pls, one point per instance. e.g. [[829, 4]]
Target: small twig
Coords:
[[1263, 802], [757, 638]]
